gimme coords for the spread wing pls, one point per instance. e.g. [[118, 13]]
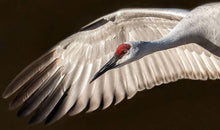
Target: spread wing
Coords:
[[58, 82]]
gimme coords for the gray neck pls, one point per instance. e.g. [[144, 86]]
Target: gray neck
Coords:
[[200, 26], [177, 39], [170, 41]]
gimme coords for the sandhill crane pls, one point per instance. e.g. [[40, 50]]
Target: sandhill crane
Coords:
[[64, 80]]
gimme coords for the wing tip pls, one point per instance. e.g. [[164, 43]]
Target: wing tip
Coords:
[[5, 95], [49, 122], [12, 105], [32, 121], [20, 114], [35, 120]]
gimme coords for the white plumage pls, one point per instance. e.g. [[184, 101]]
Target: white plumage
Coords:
[[58, 82]]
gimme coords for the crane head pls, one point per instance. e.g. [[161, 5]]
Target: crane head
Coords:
[[120, 56], [122, 49]]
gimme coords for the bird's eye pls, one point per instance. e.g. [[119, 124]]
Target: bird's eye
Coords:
[[124, 52]]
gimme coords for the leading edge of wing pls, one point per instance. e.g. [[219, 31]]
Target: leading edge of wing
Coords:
[[171, 13]]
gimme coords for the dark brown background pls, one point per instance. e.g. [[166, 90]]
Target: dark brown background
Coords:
[[30, 27]]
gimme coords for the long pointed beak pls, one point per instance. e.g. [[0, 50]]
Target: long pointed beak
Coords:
[[109, 65]]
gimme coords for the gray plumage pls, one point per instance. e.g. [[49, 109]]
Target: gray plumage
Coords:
[[58, 82]]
